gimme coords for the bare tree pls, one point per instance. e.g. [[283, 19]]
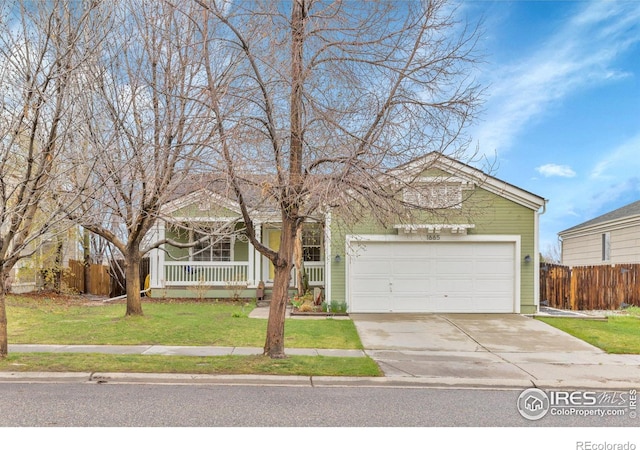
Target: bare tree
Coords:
[[322, 99], [552, 253], [42, 44], [146, 128]]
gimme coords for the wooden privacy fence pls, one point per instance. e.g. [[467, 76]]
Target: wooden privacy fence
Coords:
[[103, 280], [118, 282], [590, 287], [99, 278]]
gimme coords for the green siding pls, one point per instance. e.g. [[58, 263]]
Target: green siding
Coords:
[[240, 251], [195, 211], [178, 235], [491, 215]]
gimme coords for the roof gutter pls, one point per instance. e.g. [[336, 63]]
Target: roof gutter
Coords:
[[536, 254]]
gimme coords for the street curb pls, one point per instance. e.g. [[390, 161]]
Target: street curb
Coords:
[[310, 381], [45, 377]]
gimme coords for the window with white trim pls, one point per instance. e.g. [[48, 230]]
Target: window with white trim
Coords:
[[436, 195], [211, 247], [312, 243]]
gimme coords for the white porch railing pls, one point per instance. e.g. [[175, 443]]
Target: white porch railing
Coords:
[[204, 273], [315, 273], [191, 273]]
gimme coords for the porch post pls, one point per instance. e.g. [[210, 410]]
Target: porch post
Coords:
[[257, 256], [327, 257], [156, 258], [251, 270]]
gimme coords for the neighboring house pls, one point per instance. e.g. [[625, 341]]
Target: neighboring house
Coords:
[[480, 254], [51, 251], [612, 238]]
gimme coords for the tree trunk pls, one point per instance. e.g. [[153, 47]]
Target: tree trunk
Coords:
[[4, 339], [58, 269], [299, 261], [86, 244], [132, 280], [274, 345]]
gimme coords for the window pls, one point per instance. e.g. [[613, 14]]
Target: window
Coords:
[[312, 243], [213, 248], [434, 195], [606, 246]]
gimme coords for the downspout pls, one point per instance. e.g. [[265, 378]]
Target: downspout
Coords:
[[536, 257]]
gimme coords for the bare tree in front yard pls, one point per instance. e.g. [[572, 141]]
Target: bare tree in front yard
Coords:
[[42, 45], [146, 127], [322, 99]]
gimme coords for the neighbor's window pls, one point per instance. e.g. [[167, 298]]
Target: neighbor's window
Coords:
[[606, 246], [312, 243], [212, 248]]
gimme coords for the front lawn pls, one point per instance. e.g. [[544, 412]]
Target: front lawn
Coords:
[[56, 321], [72, 320], [618, 334], [218, 365]]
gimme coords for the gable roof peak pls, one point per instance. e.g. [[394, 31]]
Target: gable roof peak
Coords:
[[437, 160], [624, 212]]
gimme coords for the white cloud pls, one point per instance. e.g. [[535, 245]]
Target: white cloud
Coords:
[[579, 56], [623, 160], [555, 170]]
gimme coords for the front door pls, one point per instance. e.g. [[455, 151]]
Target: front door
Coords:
[[274, 244]]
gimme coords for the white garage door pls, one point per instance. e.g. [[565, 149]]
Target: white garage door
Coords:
[[432, 277]]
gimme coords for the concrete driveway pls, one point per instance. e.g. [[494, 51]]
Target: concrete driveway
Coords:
[[500, 349]]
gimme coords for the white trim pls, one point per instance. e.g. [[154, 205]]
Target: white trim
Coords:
[[536, 260], [157, 257], [328, 258], [435, 228], [196, 196], [257, 256], [464, 183], [232, 245], [601, 227], [501, 188], [351, 242], [251, 275], [205, 219]]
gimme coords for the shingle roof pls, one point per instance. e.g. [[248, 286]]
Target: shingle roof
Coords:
[[632, 209]]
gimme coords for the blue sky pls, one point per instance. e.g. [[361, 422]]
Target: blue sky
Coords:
[[562, 107]]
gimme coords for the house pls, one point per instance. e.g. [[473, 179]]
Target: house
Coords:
[[475, 251], [49, 254], [612, 238]]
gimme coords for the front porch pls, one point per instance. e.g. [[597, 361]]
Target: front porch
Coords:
[[228, 267], [229, 274]]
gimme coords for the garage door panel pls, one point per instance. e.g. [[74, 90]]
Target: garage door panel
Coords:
[[449, 250], [493, 287], [368, 285], [433, 277], [410, 268], [373, 303], [419, 286], [452, 285], [488, 266], [371, 268], [445, 267]]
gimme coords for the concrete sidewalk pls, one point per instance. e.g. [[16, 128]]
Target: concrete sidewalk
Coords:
[[174, 350], [430, 351]]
